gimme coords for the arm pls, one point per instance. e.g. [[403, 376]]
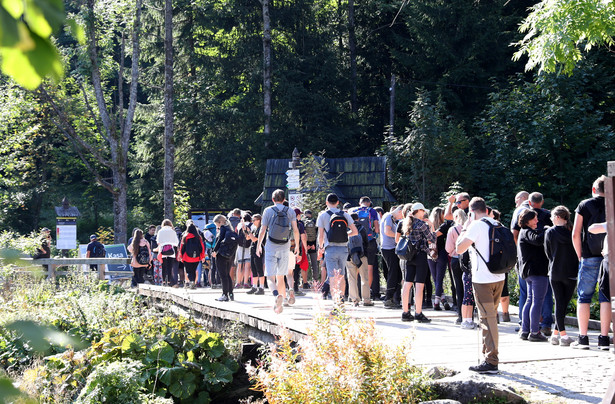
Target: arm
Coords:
[[429, 235], [261, 236], [449, 246], [388, 231], [548, 246], [463, 243], [321, 238], [535, 237], [304, 242], [597, 228], [376, 226], [353, 230], [448, 213], [296, 233], [576, 235]]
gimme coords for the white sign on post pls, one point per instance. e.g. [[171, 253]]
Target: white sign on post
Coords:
[[292, 179], [66, 233], [295, 201]]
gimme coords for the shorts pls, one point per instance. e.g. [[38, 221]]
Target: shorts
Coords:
[[603, 281], [417, 269], [372, 252], [276, 259], [242, 254], [335, 260], [505, 292], [588, 278]]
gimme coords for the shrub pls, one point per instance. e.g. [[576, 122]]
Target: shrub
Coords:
[[118, 382], [340, 360]]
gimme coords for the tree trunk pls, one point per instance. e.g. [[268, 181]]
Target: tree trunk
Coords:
[[352, 44], [169, 147], [266, 70], [120, 211]]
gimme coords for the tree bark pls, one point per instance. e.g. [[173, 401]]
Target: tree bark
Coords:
[[169, 147], [266, 70], [352, 45]]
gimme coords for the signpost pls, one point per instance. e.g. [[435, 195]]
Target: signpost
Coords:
[[293, 182]]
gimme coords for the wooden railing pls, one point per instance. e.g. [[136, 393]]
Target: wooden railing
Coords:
[[54, 263]]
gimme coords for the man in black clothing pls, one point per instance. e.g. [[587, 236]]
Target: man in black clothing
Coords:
[[95, 250]]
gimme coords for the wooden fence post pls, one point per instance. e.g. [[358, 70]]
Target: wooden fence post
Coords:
[[609, 193], [101, 271]]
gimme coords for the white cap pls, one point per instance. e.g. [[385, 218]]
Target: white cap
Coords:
[[417, 206]]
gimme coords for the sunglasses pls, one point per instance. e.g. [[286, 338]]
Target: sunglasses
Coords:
[[459, 202]]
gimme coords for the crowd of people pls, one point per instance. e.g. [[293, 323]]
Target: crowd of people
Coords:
[[342, 252]]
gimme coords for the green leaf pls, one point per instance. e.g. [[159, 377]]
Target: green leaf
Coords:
[[219, 374], [13, 7], [133, 343], [161, 352], [184, 387], [216, 348], [44, 16], [8, 390], [77, 31], [40, 337]]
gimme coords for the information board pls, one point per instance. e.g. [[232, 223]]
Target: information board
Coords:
[[66, 233]]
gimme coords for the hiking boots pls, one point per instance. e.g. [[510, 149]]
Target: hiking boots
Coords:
[[506, 318], [581, 343], [391, 304], [251, 291], [537, 337], [565, 340], [546, 331], [485, 367], [260, 291], [421, 318], [524, 335], [406, 316]]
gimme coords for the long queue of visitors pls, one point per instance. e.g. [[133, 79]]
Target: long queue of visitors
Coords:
[[341, 248]]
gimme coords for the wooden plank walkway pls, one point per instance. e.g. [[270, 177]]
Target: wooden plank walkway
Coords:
[[574, 375]]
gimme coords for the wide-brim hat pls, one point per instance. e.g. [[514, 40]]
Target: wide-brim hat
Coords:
[[417, 206]]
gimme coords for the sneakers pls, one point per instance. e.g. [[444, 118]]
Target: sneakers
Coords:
[[486, 368], [468, 325], [299, 293], [604, 342], [537, 337], [421, 318], [458, 321], [506, 317], [446, 305], [524, 335], [286, 304], [546, 331], [581, 343], [291, 297], [565, 340], [260, 291], [391, 304], [251, 291], [554, 340], [437, 307], [223, 298], [406, 316], [368, 304], [306, 286], [277, 308]]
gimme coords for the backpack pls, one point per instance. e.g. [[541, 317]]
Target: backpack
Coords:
[[502, 249], [279, 229], [192, 247], [405, 249], [143, 255], [228, 246], [338, 227], [167, 250], [365, 220], [310, 230], [212, 229], [243, 240], [98, 251]]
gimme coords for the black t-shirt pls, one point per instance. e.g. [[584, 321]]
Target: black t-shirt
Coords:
[[441, 240], [544, 219], [593, 211], [96, 249]]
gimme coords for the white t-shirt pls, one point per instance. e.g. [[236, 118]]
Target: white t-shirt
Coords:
[[479, 233], [323, 222]]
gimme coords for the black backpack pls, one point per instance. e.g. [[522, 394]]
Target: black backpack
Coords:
[[502, 249], [143, 255], [243, 240], [192, 247], [405, 250], [228, 246], [338, 227], [279, 229], [98, 251]]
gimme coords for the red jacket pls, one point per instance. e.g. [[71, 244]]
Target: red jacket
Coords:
[[184, 256]]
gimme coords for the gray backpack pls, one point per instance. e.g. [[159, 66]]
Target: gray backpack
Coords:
[[279, 229]]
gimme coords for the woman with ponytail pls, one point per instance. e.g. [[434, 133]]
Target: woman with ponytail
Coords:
[[563, 269], [415, 271]]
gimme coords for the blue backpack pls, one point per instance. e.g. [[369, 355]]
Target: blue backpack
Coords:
[[366, 221]]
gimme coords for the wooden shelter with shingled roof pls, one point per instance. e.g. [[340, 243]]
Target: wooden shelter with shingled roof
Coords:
[[360, 176]]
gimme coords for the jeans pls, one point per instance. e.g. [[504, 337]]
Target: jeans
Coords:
[[335, 259], [438, 270], [588, 278], [547, 305], [536, 292]]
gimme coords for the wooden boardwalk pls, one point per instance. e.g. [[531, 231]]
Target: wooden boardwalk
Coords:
[[550, 370]]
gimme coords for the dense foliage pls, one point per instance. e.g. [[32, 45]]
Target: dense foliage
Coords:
[[464, 111], [114, 336]]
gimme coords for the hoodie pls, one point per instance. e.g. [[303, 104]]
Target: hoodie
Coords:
[[563, 261]]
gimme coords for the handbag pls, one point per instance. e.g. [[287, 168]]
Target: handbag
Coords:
[[405, 250]]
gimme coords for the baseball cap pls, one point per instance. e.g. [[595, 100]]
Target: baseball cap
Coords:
[[93, 237], [417, 206], [45, 229]]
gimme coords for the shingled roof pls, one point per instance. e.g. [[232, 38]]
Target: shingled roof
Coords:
[[360, 176]]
